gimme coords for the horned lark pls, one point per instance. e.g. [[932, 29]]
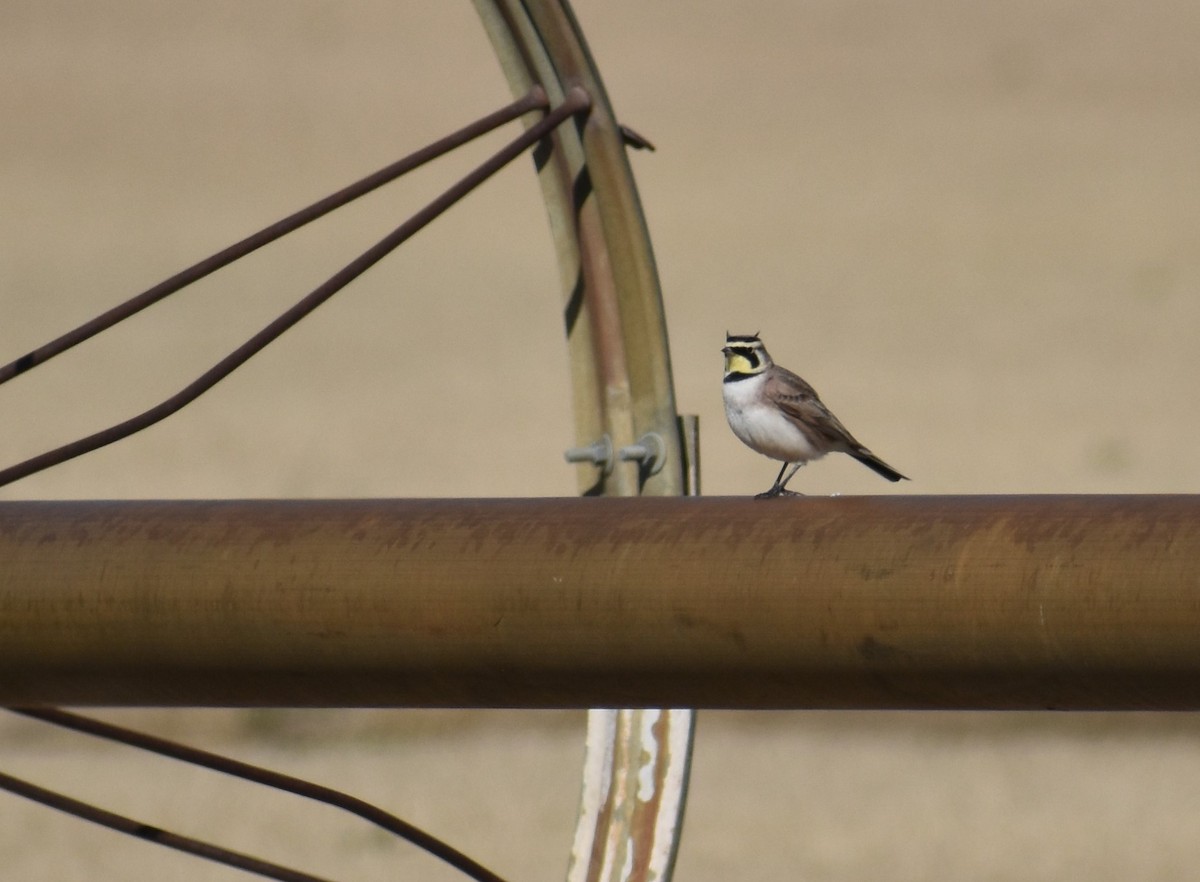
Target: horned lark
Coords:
[[779, 415]]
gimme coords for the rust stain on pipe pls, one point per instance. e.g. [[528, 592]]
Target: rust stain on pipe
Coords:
[[850, 602]]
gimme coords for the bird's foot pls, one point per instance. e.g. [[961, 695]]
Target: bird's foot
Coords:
[[777, 491]]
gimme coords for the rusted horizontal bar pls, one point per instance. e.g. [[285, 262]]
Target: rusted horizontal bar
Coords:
[[849, 602]]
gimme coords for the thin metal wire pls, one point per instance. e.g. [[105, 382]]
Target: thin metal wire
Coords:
[[258, 775], [576, 101], [151, 833], [534, 100]]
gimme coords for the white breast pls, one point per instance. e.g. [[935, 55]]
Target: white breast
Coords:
[[762, 426]]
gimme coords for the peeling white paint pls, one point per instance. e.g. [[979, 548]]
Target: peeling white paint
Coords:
[[649, 755]]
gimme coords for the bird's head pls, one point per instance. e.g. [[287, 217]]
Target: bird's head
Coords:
[[745, 356]]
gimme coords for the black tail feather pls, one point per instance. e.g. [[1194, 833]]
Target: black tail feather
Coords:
[[877, 465]]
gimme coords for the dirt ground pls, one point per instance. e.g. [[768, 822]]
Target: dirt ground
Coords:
[[973, 227]]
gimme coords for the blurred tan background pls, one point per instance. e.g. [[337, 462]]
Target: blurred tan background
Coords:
[[975, 228]]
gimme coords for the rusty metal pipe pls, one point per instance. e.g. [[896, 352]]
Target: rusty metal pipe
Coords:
[[851, 602]]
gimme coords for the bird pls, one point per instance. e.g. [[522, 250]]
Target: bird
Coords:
[[777, 414]]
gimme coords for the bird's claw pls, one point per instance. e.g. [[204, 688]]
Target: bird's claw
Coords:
[[777, 491]]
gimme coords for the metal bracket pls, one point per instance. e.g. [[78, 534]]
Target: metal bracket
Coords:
[[650, 452], [599, 453]]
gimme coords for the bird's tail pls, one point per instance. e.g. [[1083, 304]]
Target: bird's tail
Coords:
[[877, 465]]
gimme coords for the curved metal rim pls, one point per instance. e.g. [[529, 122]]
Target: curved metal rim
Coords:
[[638, 761]]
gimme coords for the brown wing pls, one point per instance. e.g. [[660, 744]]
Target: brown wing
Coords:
[[799, 401]]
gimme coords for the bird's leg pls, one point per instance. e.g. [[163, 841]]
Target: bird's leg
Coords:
[[777, 489], [782, 484]]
